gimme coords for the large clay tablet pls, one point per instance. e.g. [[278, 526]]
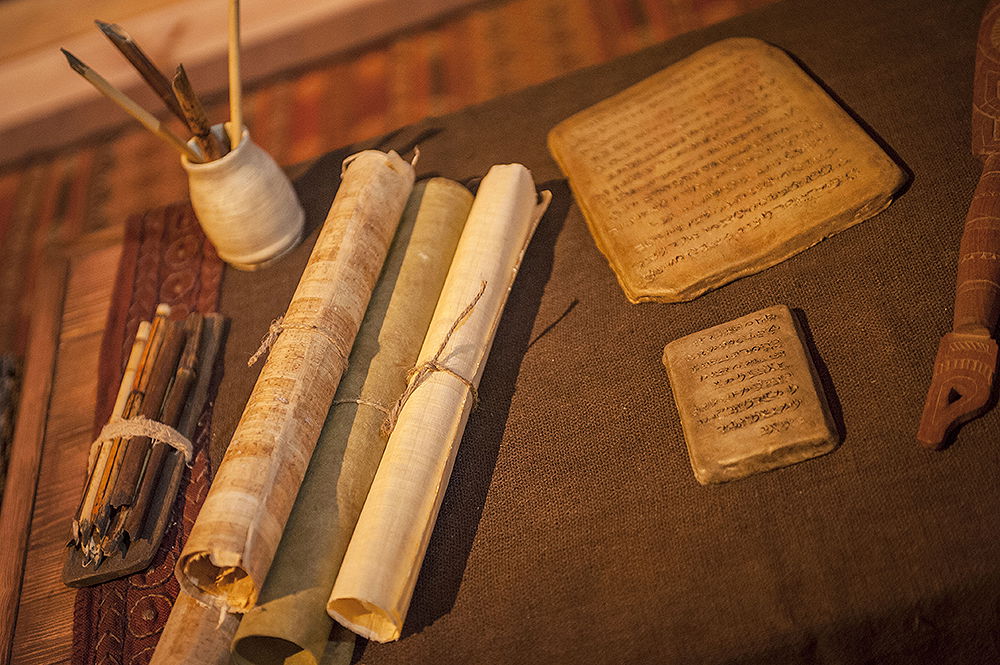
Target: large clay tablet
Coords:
[[717, 167], [748, 396]]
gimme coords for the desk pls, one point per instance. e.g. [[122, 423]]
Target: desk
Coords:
[[573, 530]]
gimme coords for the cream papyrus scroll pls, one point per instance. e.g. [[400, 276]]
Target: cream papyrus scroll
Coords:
[[195, 633], [379, 571], [234, 539], [290, 620]]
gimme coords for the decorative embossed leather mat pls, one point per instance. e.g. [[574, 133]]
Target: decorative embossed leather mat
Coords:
[[166, 258]]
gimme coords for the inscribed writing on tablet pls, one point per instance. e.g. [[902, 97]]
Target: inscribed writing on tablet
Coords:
[[717, 167], [748, 396]]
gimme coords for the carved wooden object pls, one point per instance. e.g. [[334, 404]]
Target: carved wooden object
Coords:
[[967, 357]]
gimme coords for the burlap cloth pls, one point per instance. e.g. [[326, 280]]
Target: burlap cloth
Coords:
[[573, 530]]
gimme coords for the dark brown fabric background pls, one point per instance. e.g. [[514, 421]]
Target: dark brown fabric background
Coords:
[[573, 530]]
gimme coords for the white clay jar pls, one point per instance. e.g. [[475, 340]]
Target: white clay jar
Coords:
[[245, 204]]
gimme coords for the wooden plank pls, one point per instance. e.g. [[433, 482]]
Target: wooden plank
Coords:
[[44, 630], [26, 25], [46, 105], [26, 449]]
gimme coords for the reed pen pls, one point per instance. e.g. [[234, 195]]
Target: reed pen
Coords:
[[96, 467], [147, 119], [100, 513], [170, 414], [235, 127], [194, 115], [138, 447], [156, 79]]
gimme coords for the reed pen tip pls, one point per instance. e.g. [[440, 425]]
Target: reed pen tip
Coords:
[[75, 62], [113, 30]]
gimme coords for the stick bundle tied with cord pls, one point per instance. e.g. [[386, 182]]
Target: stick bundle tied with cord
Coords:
[[135, 462]]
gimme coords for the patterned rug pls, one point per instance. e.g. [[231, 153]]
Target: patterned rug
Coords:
[[49, 201]]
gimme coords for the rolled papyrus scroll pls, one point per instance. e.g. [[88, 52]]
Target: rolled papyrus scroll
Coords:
[[376, 579], [237, 532], [195, 633], [290, 617]]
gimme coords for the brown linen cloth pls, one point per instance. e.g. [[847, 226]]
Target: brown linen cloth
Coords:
[[573, 530]]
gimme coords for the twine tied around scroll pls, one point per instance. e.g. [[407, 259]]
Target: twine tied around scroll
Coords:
[[417, 375], [119, 428], [277, 327], [363, 402]]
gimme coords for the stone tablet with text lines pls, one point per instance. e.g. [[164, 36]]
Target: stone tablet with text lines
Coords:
[[749, 396]]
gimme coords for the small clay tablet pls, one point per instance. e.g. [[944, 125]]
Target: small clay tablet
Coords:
[[748, 396]]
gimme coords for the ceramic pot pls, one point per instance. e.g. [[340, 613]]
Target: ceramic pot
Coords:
[[245, 204]]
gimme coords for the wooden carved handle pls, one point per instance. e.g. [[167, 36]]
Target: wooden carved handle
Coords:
[[967, 357], [977, 295]]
